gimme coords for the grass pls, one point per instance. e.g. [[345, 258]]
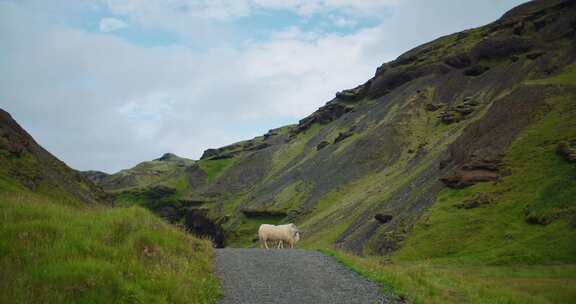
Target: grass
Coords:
[[53, 253], [426, 282], [215, 168]]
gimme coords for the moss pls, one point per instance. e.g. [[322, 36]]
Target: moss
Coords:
[[291, 196], [215, 168], [291, 150]]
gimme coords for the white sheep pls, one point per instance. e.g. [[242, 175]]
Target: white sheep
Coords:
[[288, 233]]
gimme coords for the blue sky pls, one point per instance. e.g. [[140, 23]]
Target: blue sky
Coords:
[[105, 84]]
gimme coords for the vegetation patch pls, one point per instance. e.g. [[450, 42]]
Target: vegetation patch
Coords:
[[215, 168], [429, 283], [52, 253]]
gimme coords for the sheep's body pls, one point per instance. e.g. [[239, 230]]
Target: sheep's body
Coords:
[[282, 233]]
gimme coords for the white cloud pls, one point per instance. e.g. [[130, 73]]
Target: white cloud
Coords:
[[111, 24], [340, 21]]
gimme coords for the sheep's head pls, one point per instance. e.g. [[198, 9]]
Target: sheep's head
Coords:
[[296, 236]]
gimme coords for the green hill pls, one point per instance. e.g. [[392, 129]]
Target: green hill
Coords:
[[62, 242]]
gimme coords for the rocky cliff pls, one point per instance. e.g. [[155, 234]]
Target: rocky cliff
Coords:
[[24, 162]]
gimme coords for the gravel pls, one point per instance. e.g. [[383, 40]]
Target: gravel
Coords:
[[252, 276]]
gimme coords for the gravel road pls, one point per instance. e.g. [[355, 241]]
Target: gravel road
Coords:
[[259, 276]]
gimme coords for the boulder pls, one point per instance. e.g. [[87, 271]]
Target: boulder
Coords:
[[326, 114], [168, 157], [449, 117], [476, 70], [459, 61], [534, 55], [209, 153], [501, 47], [477, 201], [430, 107], [159, 191], [567, 150], [322, 145], [343, 135], [473, 172], [383, 218]]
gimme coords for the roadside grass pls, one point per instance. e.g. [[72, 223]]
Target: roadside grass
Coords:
[[426, 282], [53, 253]]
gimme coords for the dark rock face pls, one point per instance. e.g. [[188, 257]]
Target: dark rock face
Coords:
[[353, 95], [476, 70], [535, 55], [95, 176], [253, 213], [159, 191], [449, 117], [342, 136], [475, 202], [383, 218], [324, 115], [390, 78], [567, 150], [168, 157], [459, 61], [473, 172], [198, 223], [430, 107], [209, 153], [501, 47], [536, 219], [322, 145]]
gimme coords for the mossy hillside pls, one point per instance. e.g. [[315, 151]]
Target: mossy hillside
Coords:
[[287, 155], [491, 254], [147, 174], [215, 167], [542, 185], [54, 253], [418, 129]]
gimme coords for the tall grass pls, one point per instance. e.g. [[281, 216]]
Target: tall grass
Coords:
[[52, 253]]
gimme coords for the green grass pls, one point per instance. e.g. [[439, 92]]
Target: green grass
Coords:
[[215, 168], [53, 253], [426, 282], [567, 77]]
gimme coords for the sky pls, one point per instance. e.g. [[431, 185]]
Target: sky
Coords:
[[106, 84]]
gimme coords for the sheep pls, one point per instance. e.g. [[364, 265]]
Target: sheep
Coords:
[[282, 233]]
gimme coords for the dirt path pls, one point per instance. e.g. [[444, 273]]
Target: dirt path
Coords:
[[254, 276]]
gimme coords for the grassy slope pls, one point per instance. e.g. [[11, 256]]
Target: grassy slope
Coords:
[[56, 253], [490, 254]]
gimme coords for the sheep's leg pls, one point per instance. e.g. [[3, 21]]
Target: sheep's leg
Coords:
[[265, 243]]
